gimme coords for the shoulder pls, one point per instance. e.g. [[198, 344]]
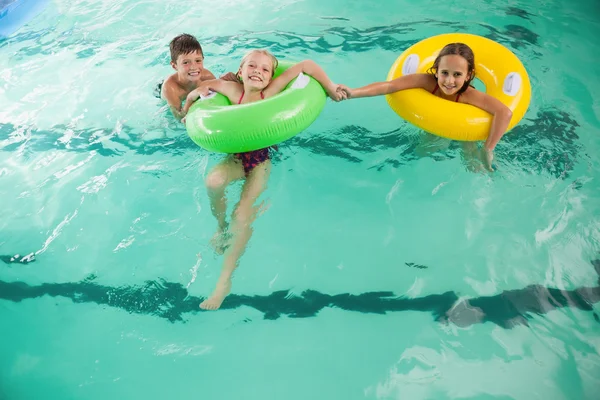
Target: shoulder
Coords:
[[472, 95], [170, 87], [429, 82], [232, 90], [222, 83], [484, 101], [207, 75]]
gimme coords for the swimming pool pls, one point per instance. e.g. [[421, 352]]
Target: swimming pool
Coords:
[[376, 271]]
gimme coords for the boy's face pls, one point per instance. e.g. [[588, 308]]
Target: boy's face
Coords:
[[189, 66]]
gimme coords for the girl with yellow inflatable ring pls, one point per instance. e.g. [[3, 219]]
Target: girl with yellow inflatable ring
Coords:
[[440, 100]]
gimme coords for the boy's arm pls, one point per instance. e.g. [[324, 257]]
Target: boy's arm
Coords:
[[308, 67], [411, 81], [173, 100], [230, 76]]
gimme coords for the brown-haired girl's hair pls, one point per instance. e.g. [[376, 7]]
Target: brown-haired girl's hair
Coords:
[[462, 50]]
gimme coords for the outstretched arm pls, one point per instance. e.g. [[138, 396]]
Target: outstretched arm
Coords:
[[308, 67], [411, 81]]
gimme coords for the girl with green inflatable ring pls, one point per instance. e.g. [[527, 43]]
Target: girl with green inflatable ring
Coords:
[[258, 124], [215, 126]]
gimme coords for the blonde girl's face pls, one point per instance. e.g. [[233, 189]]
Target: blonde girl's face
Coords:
[[257, 70], [452, 73]]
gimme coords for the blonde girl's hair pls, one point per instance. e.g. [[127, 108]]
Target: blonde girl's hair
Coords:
[[261, 51]]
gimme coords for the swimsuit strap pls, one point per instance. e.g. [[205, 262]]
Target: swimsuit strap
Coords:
[[262, 96], [457, 97]]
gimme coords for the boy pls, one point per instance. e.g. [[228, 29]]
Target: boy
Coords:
[[187, 59]]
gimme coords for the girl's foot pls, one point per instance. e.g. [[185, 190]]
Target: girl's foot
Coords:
[[220, 241], [216, 298]]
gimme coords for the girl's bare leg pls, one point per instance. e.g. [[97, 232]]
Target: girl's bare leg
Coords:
[[217, 181], [241, 230]]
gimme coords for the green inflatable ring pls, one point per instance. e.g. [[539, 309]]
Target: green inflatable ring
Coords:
[[215, 126]]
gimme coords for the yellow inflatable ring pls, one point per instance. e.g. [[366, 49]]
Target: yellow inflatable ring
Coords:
[[504, 76]]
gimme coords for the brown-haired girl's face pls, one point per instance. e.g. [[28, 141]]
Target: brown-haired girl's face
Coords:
[[452, 72], [257, 70]]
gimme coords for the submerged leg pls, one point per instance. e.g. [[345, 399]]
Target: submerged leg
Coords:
[[241, 231]]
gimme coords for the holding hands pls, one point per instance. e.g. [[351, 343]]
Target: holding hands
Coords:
[[336, 92]]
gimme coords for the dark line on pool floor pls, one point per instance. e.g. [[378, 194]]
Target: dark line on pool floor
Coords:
[[17, 259], [171, 301]]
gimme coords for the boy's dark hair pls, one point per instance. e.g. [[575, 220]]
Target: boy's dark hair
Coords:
[[184, 44]]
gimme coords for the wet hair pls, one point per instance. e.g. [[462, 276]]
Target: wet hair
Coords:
[[184, 44], [459, 49], [261, 51]]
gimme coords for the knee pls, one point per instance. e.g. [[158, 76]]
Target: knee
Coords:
[[216, 179]]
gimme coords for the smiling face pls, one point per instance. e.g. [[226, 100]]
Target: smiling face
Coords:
[[452, 73], [189, 66], [257, 70]]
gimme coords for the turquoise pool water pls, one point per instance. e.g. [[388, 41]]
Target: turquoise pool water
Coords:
[[376, 271]]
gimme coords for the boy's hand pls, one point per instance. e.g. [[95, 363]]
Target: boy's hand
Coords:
[[192, 97], [230, 76], [196, 93]]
